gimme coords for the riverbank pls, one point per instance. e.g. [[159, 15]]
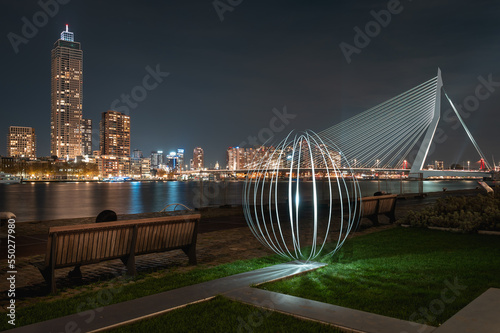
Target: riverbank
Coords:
[[63, 200], [405, 202], [223, 238]]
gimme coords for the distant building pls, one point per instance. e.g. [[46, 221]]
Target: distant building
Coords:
[[137, 153], [66, 97], [113, 166], [172, 162], [86, 129], [198, 159], [135, 167], [157, 159], [7, 163], [21, 142], [140, 168], [115, 134], [180, 159], [439, 165], [145, 168], [236, 158]]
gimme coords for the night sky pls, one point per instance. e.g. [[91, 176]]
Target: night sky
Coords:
[[226, 77]]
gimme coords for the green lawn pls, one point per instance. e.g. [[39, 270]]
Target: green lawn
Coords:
[[123, 289], [404, 273], [223, 315], [401, 273]]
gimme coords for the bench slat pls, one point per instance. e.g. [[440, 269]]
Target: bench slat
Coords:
[[86, 247], [385, 206], [78, 253], [59, 249]]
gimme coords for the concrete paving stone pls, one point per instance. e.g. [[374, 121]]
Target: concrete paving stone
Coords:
[[482, 315], [354, 320]]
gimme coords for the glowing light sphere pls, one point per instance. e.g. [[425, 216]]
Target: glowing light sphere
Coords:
[[296, 199]]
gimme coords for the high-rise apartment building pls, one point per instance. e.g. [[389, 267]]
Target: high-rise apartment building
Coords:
[[115, 134], [86, 129], [66, 97], [21, 142], [198, 159], [236, 158]]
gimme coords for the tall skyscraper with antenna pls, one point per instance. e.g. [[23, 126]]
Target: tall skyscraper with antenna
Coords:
[[66, 97]]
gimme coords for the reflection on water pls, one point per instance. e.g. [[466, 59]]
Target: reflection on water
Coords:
[[47, 201]]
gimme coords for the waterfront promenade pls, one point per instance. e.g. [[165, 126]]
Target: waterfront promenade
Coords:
[[223, 238]]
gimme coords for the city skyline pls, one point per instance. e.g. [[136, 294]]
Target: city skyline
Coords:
[[234, 83]]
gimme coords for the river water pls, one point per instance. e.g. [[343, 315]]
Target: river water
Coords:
[[48, 201]]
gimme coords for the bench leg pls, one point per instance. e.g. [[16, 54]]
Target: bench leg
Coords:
[[129, 261], [190, 251], [52, 282], [48, 276], [392, 217], [374, 219]]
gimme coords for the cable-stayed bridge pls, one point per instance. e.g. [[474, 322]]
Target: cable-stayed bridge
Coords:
[[398, 131], [388, 137]]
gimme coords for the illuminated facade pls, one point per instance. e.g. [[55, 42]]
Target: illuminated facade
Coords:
[[21, 142], [140, 168], [180, 154], [113, 166], [157, 159], [86, 137], [238, 158], [66, 97], [175, 161], [198, 159], [235, 158], [115, 134]]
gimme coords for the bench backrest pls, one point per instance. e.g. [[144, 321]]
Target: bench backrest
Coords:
[[89, 243], [378, 204]]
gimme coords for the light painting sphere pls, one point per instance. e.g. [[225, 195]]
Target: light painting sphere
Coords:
[[301, 198]]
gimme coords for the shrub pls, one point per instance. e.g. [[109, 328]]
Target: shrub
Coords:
[[467, 213]]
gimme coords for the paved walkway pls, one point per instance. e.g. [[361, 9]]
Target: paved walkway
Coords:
[[349, 319], [137, 309], [481, 315]]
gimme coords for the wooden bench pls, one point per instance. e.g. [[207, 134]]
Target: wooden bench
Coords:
[[92, 243], [372, 207]]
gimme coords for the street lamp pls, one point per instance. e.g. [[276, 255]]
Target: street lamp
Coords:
[[468, 165]]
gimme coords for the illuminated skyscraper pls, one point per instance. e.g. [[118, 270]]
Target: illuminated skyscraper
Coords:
[[115, 134], [198, 157], [21, 142], [66, 97]]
